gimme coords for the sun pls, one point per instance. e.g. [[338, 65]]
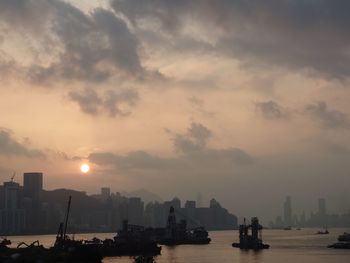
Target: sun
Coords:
[[84, 168]]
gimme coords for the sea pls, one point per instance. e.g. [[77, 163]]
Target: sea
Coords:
[[286, 246]]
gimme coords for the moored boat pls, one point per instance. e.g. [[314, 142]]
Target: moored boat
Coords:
[[344, 237]]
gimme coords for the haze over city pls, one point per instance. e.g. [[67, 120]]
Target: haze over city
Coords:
[[244, 101]]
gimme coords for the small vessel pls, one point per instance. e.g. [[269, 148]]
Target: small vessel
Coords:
[[287, 228], [323, 232], [344, 242], [344, 237], [253, 241]]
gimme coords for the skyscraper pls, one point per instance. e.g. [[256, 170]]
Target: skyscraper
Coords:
[[199, 199], [287, 209], [105, 193], [322, 207], [33, 185], [12, 217], [32, 190]]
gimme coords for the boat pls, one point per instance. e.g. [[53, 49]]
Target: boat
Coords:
[[340, 245], [323, 232], [287, 228], [344, 237], [131, 240], [65, 249], [68, 249], [178, 234], [344, 242], [253, 240]]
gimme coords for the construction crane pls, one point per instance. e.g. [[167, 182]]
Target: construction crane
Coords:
[[13, 176]]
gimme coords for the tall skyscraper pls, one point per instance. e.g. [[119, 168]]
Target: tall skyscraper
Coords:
[[33, 186], [199, 199], [322, 207], [287, 209], [32, 190]]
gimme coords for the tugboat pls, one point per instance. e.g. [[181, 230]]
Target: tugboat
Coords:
[[253, 241], [178, 234], [344, 242]]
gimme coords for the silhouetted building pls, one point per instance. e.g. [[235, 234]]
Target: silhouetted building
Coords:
[[33, 185], [322, 207], [105, 193], [199, 199], [135, 211], [12, 217], [287, 209], [32, 191], [190, 204]]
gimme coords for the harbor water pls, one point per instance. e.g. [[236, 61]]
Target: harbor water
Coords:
[[287, 246]]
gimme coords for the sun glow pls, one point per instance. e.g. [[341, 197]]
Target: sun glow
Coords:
[[84, 168]]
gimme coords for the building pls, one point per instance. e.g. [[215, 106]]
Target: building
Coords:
[[135, 211], [105, 193], [33, 185], [190, 204], [12, 217], [199, 199], [287, 209], [322, 207], [32, 193]]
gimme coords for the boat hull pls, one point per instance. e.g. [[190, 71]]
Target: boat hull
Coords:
[[251, 246]]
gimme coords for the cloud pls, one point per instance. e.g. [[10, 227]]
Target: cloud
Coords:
[[193, 156], [9, 146], [295, 34], [199, 106], [115, 99], [134, 160], [194, 140], [327, 117], [90, 102], [85, 47], [270, 110]]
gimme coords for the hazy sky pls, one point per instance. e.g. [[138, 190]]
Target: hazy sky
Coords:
[[244, 101]]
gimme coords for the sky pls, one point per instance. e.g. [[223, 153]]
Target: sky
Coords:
[[244, 101]]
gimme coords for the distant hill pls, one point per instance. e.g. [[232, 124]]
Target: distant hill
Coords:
[[145, 195]]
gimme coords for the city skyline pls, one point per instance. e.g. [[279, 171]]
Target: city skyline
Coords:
[[242, 100], [27, 205], [30, 209]]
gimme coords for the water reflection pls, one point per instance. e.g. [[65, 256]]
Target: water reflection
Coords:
[[286, 246], [250, 256]]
